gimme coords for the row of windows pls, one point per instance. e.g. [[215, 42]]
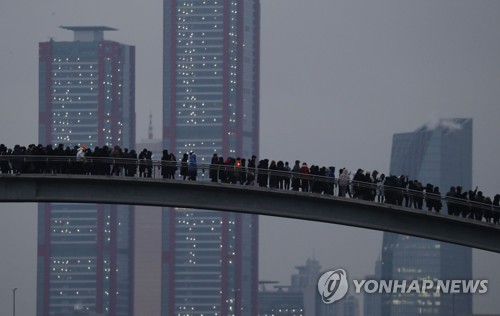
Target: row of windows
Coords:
[[82, 120], [187, 60], [201, 26], [214, 109], [197, 91], [198, 9], [203, 96], [91, 67], [74, 91], [187, 39], [86, 105], [197, 230], [75, 130], [204, 238], [199, 33], [213, 21]]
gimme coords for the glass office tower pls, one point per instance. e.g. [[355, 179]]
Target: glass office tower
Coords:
[[211, 105], [86, 97], [441, 154]]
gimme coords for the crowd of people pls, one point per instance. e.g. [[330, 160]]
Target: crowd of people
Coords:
[[370, 186]]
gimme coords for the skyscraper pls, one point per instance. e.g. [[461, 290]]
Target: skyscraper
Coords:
[[211, 105], [439, 153], [211, 77], [86, 97]]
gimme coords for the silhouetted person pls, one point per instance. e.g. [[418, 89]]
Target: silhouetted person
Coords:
[[357, 181], [132, 166], [380, 188], [116, 154], [450, 198], [438, 205], [192, 167], [496, 209], [487, 209], [214, 168], [184, 166], [251, 171], [262, 173], [165, 160], [477, 207], [243, 171], [280, 166], [429, 199], [295, 176], [149, 164], [344, 181], [172, 166], [304, 173], [330, 181]]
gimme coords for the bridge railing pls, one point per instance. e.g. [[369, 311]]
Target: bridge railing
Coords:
[[243, 175]]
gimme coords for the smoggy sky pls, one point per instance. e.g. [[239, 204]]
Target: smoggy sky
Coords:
[[338, 79]]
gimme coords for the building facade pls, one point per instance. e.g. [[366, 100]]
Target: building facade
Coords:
[[148, 244], [86, 97], [292, 300], [372, 302], [211, 105], [441, 154], [211, 77]]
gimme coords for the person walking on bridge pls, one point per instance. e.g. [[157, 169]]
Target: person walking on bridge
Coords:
[[192, 167]]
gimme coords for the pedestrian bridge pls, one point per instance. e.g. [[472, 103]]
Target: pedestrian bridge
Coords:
[[248, 199]]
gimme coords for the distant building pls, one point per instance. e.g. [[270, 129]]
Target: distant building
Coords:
[[147, 244], [372, 303], [155, 145], [291, 300], [86, 97], [210, 106], [282, 302], [87, 90], [211, 77], [347, 306], [441, 154], [301, 298]]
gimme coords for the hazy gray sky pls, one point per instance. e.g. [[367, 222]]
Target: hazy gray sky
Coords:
[[338, 79]]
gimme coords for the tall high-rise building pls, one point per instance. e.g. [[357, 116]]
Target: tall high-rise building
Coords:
[[211, 105], [211, 77], [441, 154], [86, 97]]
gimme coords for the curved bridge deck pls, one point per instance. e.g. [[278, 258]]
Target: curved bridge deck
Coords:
[[236, 198]]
